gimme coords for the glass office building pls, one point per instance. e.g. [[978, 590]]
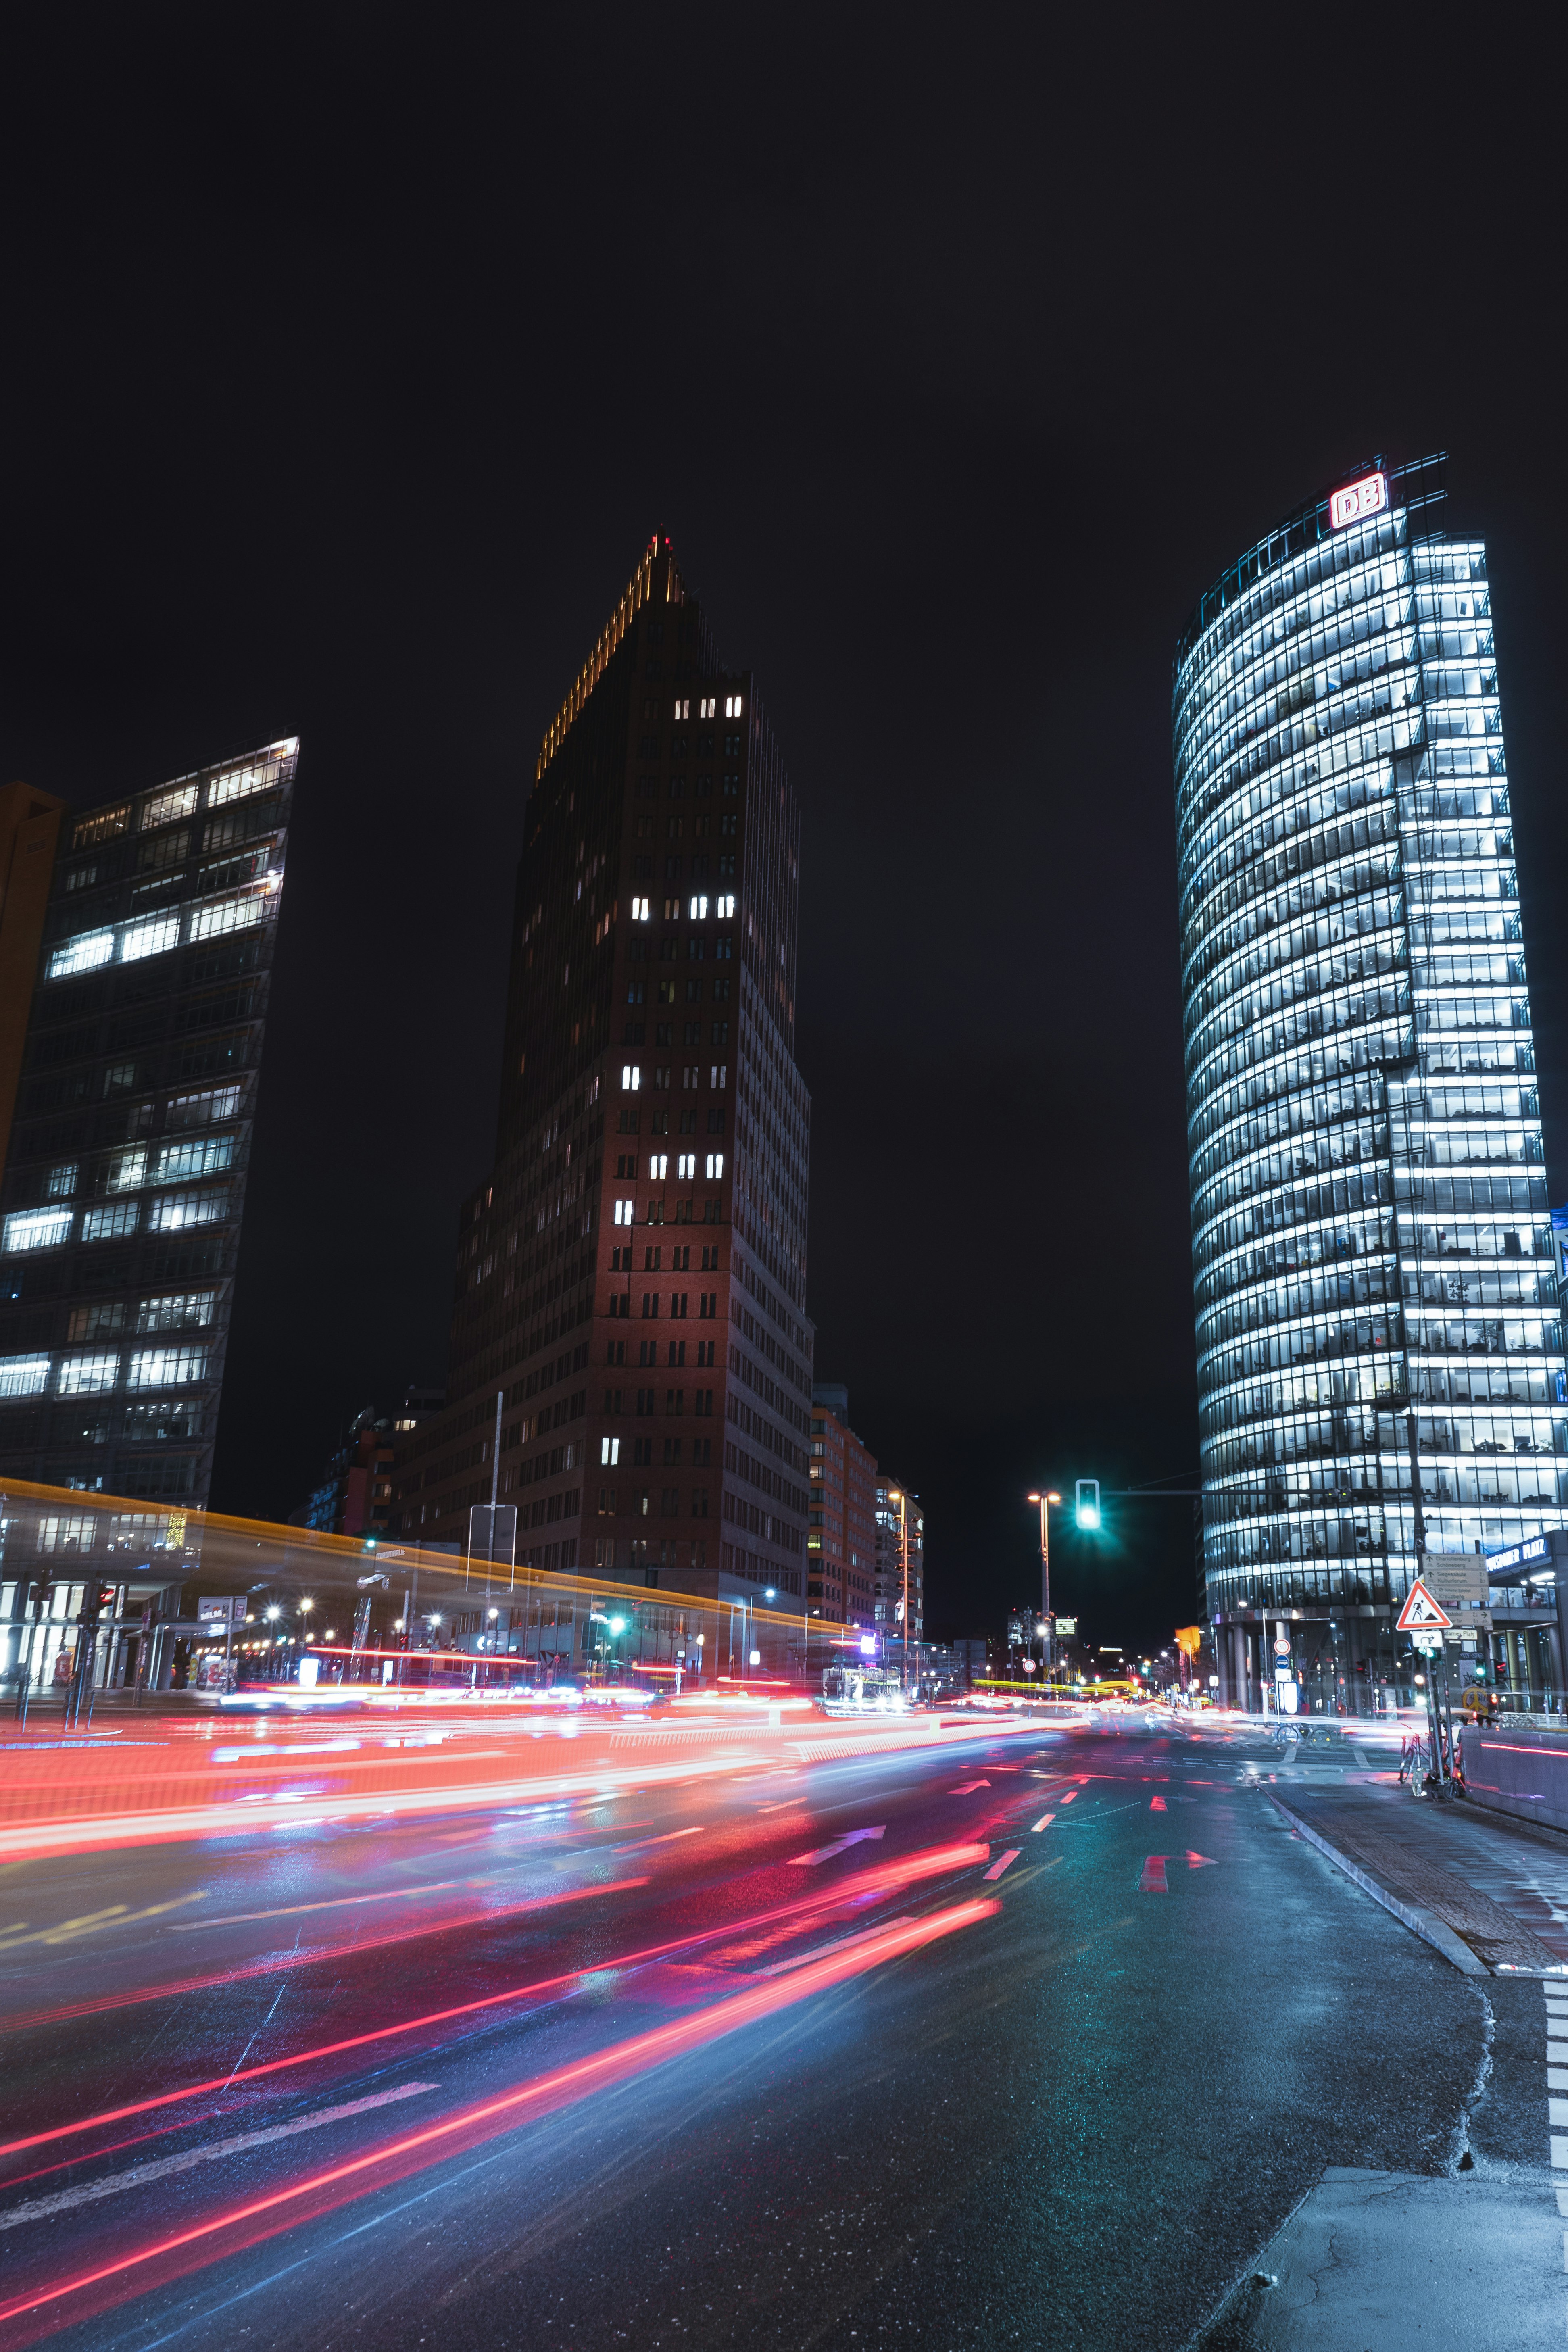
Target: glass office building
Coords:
[[1371, 1246], [124, 1182]]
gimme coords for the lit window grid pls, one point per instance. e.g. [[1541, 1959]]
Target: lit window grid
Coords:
[[1465, 869]]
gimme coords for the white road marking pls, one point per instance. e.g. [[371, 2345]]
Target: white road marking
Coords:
[[38, 2208], [1010, 1857], [1044, 1822], [839, 1944], [332, 1903], [839, 1845]]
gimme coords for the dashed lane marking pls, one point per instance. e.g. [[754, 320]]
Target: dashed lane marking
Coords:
[[1011, 1856], [1044, 1822]]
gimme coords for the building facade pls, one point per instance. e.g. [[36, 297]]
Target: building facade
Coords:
[[900, 1534], [1379, 1359], [124, 1184], [841, 1547], [631, 1278], [29, 833]]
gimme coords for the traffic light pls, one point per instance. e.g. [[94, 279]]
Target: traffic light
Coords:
[[1087, 1503]]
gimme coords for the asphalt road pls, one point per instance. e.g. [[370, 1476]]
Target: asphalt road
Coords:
[[767, 2056]]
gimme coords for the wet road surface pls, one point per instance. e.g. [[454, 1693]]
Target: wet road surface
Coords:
[[1039, 2039]]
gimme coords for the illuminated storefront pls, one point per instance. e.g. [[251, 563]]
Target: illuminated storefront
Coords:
[[1372, 1249]]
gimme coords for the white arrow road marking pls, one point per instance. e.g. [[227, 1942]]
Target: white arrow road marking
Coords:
[[38, 2207], [969, 1787], [826, 1853]]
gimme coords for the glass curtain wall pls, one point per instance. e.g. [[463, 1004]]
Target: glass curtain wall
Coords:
[[1371, 1246]]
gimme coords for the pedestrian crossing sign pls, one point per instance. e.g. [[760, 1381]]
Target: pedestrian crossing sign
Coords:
[[1421, 1613]]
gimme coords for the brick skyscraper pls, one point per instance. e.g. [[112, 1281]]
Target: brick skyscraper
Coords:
[[631, 1279]]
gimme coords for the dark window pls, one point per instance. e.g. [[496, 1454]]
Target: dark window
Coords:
[[670, 1502], [613, 1398], [694, 1033], [679, 1260], [625, 1163], [645, 1403], [642, 869], [694, 950], [672, 1453], [642, 1451], [722, 989], [720, 1033], [636, 993], [716, 1122], [726, 864], [629, 1121], [649, 746], [700, 1502], [672, 869], [650, 1261], [694, 991], [730, 822], [636, 1032], [616, 1353], [648, 1353], [677, 1355], [733, 746], [688, 1122], [675, 1402], [705, 1353], [732, 786], [710, 1259], [677, 827], [724, 946], [704, 1403]]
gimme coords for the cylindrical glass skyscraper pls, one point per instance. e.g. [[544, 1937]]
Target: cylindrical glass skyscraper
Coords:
[[1371, 1250]]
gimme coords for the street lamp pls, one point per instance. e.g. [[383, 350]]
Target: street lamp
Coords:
[[1045, 1501]]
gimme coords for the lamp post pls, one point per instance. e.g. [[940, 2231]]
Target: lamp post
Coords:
[[896, 1495], [1045, 1501]]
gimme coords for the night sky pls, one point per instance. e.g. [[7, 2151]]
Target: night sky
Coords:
[[351, 360]]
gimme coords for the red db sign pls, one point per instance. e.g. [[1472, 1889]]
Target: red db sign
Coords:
[[1357, 500]]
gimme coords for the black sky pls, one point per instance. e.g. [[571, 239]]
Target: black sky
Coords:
[[350, 360]]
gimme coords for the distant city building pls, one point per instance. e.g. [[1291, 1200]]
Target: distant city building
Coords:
[[355, 1497], [631, 1277], [1372, 1251], [124, 1182], [900, 1529], [842, 1543]]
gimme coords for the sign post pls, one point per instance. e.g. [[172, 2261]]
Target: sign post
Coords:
[[1426, 1623]]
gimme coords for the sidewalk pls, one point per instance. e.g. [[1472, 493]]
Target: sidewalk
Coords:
[[1495, 1890], [1473, 2256]]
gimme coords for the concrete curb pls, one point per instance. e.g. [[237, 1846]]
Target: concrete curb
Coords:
[[1454, 1948]]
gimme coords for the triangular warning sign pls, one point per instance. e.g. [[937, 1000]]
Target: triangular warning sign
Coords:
[[1421, 1613]]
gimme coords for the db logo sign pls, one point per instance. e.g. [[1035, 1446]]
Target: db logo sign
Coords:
[[1357, 501]]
